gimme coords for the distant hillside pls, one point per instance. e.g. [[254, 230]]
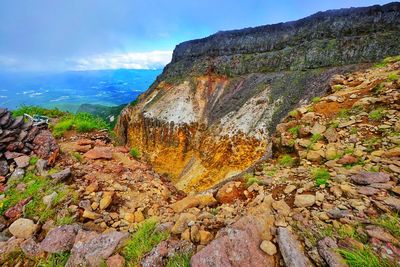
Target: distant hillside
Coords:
[[110, 114]]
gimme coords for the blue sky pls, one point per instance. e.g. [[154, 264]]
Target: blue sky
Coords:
[[104, 34]]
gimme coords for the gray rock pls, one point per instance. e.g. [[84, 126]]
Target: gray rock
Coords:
[[48, 200], [18, 174], [62, 175], [4, 169], [31, 248], [60, 239], [327, 249], [290, 249], [41, 166], [22, 161]]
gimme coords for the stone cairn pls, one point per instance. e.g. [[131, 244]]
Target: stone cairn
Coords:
[[20, 138]]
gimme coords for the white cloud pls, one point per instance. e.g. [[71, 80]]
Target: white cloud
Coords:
[[134, 60]]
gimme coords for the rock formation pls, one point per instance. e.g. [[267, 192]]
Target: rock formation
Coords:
[[211, 112]]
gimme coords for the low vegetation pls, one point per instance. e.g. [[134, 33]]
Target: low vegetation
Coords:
[[251, 179], [134, 152], [179, 260], [142, 242], [376, 114], [393, 77], [364, 258], [295, 131], [55, 260], [316, 99], [321, 176], [286, 160], [391, 222], [34, 110], [81, 122]]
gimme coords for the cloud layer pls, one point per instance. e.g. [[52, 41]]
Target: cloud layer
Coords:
[[142, 60]]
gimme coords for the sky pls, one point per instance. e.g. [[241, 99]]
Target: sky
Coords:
[[48, 35]]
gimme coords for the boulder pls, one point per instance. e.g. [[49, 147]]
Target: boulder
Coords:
[[268, 247], [106, 200], [60, 239], [45, 145], [62, 175], [302, 201], [91, 248], [182, 222], [23, 228], [22, 161], [194, 201], [230, 192], [347, 159], [31, 248]]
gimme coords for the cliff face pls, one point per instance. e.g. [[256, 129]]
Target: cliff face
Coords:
[[210, 113]]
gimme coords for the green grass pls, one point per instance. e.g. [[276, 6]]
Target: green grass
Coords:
[[364, 258], [316, 99], [337, 87], [134, 152], [386, 61], [393, 77], [64, 220], [391, 222], [179, 260], [82, 122], [34, 110], [321, 176], [376, 114], [286, 160], [295, 131], [33, 160], [77, 156], [55, 260], [344, 113], [315, 138], [142, 242], [36, 187], [293, 113], [251, 179]]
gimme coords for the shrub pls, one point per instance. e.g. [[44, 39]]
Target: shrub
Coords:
[[134, 152], [142, 242], [376, 114], [286, 160], [321, 176]]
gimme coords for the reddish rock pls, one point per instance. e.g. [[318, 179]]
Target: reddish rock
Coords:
[[347, 159], [31, 248], [366, 178], [91, 248], [16, 211], [235, 246], [82, 148], [84, 142], [115, 261], [45, 145], [230, 192], [122, 149], [60, 239], [99, 153], [159, 256]]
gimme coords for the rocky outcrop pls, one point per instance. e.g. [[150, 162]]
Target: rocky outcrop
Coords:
[[210, 113]]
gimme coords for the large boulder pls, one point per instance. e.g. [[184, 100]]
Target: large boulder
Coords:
[[366, 178], [290, 248]]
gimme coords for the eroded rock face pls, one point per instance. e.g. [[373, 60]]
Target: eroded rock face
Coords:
[[210, 113]]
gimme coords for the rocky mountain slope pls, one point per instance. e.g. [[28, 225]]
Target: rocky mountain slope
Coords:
[[328, 196], [211, 112]]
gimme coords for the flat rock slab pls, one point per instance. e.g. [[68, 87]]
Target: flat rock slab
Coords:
[[291, 250], [366, 178], [91, 248], [99, 153]]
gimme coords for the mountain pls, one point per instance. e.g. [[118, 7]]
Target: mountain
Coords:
[[211, 112]]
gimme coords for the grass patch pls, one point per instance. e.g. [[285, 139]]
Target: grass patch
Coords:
[[295, 131], [364, 258], [34, 110], [376, 114], [286, 160], [77, 156], [64, 220], [251, 179], [134, 152], [316, 99], [179, 260], [82, 122], [344, 113], [391, 222], [143, 242], [386, 61], [393, 77], [55, 260], [33, 160], [293, 113], [337, 87], [315, 138], [321, 176]]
